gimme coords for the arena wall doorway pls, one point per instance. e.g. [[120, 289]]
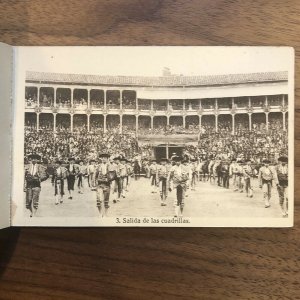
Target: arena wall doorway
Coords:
[[168, 151], [160, 152]]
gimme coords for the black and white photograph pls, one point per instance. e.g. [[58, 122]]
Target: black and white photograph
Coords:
[[154, 136]]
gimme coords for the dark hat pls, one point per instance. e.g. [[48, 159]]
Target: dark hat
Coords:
[[266, 161], [123, 159], [247, 160], [164, 159], [283, 159], [71, 158], [177, 158], [117, 158], [92, 160], [104, 155], [193, 159], [234, 159], [34, 156]]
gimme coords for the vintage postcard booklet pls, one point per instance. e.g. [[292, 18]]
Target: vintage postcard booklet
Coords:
[[147, 136]]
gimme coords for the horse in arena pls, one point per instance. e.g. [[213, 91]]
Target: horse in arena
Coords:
[[225, 174], [136, 170], [219, 173], [204, 171], [211, 171]]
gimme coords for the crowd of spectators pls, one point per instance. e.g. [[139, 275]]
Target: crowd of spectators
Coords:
[[255, 144], [128, 103], [80, 103], [97, 103], [176, 104], [275, 101], [63, 103], [46, 100], [79, 144], [46, 124], [241, 102], [169, 130], [30, 99]]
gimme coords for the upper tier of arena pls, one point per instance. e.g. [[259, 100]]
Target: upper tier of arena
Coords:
[[159, 81]]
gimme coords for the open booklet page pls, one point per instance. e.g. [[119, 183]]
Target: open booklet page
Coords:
[[6, 61], [153, 136]]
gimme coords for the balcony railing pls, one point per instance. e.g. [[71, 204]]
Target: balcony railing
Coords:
[[97, 106], [275, 103], [147, 107], [176, 107], [63, 105], [192, 107], [160, 108], [113, 106], [144, 107], [129, 106], [241, 104], [208, 106], [80, 106], [224, 106], [46, 105], [30, 104]]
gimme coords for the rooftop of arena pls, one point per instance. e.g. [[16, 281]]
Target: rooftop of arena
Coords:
[[159, 81]]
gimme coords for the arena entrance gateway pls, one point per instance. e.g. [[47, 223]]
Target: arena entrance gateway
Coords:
[[167, 151], [166, 145]]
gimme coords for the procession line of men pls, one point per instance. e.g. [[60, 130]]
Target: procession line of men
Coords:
[[175, 174], [112, 178], [180, 174], [105, 178], [34, 175], [280, 177]]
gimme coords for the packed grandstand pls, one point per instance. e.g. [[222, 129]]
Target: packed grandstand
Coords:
[[229, 116]]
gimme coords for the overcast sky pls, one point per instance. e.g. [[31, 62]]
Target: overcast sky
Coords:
[[150, 61]]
